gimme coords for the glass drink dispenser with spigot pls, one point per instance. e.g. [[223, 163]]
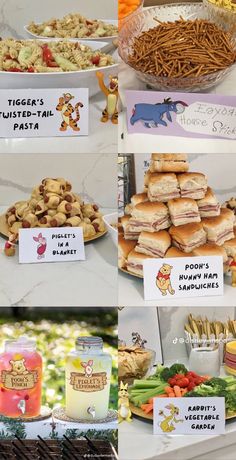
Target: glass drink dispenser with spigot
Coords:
[[20, 379], [88, 374]]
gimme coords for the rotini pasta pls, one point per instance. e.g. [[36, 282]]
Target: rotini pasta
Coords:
[[38, 56], [228, 4], [73, 26]]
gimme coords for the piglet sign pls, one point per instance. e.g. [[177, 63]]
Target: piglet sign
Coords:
[[181, 114], [189, 416], [62, 244], [183, 277]]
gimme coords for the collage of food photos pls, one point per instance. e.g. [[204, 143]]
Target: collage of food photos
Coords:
[[117, 230]]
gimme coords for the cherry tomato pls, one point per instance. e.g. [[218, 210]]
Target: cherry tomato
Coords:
[[179, 376], [47, 54], [191, 386], [192, 374], [95, 60], [15, 69], [30, 70], [183, 383]]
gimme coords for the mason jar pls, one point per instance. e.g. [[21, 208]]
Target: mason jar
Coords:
[[20, 379], [88, 375]]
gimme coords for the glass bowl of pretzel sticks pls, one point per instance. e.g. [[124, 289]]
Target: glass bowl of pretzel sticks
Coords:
[[176, 47], [222, 12]]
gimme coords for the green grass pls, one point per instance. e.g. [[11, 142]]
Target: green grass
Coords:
[[56, 338]]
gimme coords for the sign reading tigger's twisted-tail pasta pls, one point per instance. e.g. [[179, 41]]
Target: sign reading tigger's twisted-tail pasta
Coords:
[[172, 278], [181, 114], [44, 112], [189, 415]]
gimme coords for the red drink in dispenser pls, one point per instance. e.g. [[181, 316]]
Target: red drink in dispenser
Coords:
[[20, 379]]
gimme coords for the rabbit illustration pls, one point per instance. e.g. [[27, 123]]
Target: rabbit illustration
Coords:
[[124, 412], [88, 368], [42, 246], [168, 424]]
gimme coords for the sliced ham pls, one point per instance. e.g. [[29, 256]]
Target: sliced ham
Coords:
[[195, 244], [153, 251], [150, 225], [184, 215], [192, 191], [226, 235], [209, 207], [164, 196]]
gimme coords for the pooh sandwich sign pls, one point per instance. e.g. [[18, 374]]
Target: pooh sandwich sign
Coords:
[[183, 277]]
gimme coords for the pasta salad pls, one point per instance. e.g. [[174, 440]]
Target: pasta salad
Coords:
[[73, 26], [36, 56]]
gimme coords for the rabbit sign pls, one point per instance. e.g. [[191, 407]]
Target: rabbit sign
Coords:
[[189, 416], [51, 245]]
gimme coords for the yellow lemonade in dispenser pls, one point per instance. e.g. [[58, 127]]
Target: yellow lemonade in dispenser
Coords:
[[88, 374]]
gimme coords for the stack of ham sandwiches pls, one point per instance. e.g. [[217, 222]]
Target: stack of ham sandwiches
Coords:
[[176, 215]]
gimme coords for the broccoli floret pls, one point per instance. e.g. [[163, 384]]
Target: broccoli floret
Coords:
[[169, 372], [178, 369], [166, 374], [216, 383], [192, 394], [230, 402]]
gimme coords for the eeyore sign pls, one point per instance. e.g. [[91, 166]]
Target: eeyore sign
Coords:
[[152, 115], [192, 115]]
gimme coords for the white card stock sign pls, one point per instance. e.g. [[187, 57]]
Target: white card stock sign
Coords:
[[208, 118], [189, 416], [44, 112], [37, 245], [183, 277]]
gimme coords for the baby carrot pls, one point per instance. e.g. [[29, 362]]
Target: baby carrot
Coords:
[[168, 390], [177, 391]]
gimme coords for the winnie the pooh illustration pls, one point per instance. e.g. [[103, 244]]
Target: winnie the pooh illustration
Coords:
[[163, 281], [18, 367]]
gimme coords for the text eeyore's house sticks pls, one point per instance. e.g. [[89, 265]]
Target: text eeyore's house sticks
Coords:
[[181, 114]]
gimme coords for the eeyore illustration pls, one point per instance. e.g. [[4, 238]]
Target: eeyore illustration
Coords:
[[151, 115]]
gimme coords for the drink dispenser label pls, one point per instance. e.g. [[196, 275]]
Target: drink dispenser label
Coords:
[[18, 378], [88, 381]]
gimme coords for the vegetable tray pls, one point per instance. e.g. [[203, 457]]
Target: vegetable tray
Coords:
[[140, 413]]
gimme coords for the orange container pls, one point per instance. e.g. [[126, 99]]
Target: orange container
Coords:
[[20, 379], [127, 7]]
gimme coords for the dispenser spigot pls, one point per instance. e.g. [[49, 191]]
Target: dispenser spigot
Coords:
[[22, 406], [91, 411]]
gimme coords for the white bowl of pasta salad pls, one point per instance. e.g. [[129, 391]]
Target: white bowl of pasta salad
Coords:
[[74, 25], [53, 63]]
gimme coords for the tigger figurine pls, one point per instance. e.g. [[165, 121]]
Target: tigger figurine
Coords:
[[112, 96], [66, 110]]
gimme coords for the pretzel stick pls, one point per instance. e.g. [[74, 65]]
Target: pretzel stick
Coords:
[[182, 48]]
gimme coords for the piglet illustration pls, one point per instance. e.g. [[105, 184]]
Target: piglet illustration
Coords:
[[42, 246], [88, 368]]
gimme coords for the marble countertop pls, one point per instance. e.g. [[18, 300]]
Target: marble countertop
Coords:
[[130, 293], [137, 143], [92, 282], [137, 442]]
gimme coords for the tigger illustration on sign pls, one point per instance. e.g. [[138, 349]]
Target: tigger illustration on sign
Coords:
[[112, 97], [66, 108]]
